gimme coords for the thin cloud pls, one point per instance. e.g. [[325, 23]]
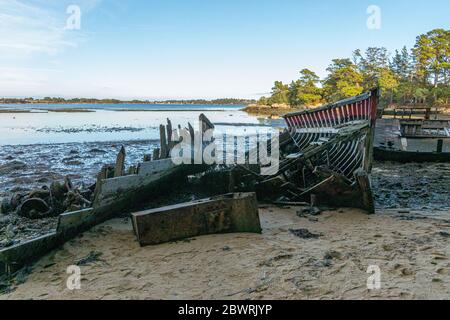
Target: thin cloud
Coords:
[[28, 28]]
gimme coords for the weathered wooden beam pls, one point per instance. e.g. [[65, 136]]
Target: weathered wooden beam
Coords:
[[164, 152], [156, 153], [364, 185], [169, 135], [440, 146], [205, 123], [191, 133], [335, 191], [119, 168], [223, 214], [132, 170]]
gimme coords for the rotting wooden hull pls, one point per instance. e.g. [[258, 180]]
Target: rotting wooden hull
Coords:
[[115, 196], [381, 154], [335, 144], [415, 140]]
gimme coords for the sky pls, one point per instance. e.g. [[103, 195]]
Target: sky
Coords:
[[175, 49]]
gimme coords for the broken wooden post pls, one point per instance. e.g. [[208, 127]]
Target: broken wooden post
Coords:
[[192, 135], [119, 168], [169, 136], [156, 153], [132, 170], [206, 124], [364, 185], [103, 174], [313, 200], [164, 152], [223, 214], [440, 146]]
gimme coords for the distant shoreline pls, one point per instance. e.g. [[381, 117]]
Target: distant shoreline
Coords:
[[134, 103], [224, 102], [10, 111]]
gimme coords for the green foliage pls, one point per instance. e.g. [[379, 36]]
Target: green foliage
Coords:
[[263, 101], [305, 91], [432, 53], [280, 94], [402, 64], [371, 65], [343, 81], [420, 75]]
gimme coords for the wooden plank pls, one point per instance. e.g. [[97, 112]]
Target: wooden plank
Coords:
[[15, 257], [72, 222], [222, 214]]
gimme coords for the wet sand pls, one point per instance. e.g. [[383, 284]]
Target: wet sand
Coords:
[[414, 257]]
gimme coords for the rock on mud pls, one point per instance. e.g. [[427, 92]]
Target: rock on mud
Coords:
[[12, 166]]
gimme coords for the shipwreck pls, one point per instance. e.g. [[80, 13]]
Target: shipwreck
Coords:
[[412, 134], [325, 159]]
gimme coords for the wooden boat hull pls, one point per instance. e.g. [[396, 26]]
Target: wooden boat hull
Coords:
[[412, 141], [381, 154], [335, 150]]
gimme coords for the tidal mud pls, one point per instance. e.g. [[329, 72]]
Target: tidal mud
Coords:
[[25, 167], [416, 186], [29, 167]]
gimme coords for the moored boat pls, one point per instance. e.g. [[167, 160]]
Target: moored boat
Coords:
[[412, 140]]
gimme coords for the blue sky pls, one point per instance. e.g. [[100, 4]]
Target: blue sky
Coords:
[[158, 49]]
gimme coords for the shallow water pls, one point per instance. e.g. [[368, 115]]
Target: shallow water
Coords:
[[38, 147], [107, 125]]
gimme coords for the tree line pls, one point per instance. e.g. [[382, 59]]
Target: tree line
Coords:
[[53, 100], [420, 75]]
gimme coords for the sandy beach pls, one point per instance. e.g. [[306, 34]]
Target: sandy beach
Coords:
[[413, 255]]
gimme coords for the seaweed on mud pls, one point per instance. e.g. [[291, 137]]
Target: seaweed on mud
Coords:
[[304, 234], [92, 257], [7, 282]]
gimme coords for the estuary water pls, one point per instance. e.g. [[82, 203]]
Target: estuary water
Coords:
[[43, 124], [42, 143]]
